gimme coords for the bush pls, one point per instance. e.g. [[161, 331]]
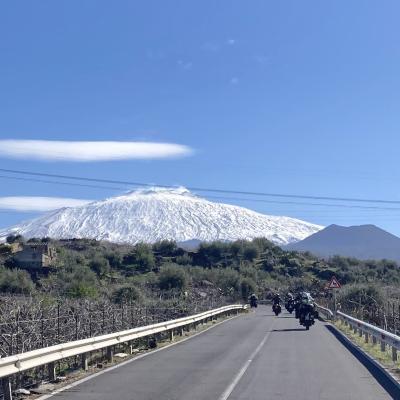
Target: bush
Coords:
[[114, 259], [250, 252], [126, 294], [165, 248], [184, 259], [228, 280], [362, 297], [172, 277], [141, 259], [99, 265], [15, 281], [210, 254], [14, 238], [80, 283]]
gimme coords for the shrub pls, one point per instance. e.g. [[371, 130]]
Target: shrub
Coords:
[[165, 248], [172, 277], [15, 281], [141, 259], [80, 283], [99, 265], [126, 294], [228, 280]]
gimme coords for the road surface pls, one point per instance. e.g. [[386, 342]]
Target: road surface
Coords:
[[254, 357]]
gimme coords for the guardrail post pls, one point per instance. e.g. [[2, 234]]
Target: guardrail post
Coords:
[[383, 346], [171, 335], [51, 368], [110, 354], [374, 340], [7, 392], [360, 332], [394, 354], [366, 337], [85, 361], [130, 346]]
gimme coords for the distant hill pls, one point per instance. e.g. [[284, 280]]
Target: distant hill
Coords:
[[363, 242]]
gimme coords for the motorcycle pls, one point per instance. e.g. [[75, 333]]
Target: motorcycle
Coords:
[[276, 308], [307, 318], [289, 306], [253, 303]]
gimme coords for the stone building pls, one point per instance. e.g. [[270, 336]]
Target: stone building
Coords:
[[35, 256]]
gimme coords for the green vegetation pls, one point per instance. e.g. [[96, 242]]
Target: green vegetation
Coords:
[[123, 273]]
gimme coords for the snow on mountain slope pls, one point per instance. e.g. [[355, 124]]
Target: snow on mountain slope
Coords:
[[156, 214]]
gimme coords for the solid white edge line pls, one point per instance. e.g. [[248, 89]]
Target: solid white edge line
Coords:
[[228, 391], [96, 374]]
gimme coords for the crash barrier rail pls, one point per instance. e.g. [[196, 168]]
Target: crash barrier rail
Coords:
[[49, 355], [372, 332], [326, 312]]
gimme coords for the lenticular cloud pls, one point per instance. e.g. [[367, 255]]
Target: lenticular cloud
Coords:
[[36, 203], [90, 151]]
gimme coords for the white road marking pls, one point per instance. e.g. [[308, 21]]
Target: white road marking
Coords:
[[228, 391]]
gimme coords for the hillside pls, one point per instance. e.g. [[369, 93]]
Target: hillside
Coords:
[[162, 214], [362, 242]]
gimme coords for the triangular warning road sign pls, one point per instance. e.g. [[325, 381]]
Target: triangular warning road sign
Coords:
[[334, 283]]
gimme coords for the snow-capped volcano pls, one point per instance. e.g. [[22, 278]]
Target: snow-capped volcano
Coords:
[[150, 215]]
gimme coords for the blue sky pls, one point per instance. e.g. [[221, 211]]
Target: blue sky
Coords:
[[287, 97]]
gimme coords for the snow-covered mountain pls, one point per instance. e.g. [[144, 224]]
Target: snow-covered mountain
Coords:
[[156, 214]]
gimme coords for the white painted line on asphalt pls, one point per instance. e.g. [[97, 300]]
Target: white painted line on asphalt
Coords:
[[228, 391], [96, 374]]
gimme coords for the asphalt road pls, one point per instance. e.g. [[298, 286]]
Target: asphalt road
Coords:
[[253, 357]]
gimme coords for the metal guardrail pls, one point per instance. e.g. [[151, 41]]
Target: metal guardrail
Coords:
[[325, 311], [369, 331], [49, 355]]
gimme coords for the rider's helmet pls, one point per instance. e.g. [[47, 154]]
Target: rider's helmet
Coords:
[[307, 298]]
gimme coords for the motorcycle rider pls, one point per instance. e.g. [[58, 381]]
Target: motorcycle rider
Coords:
[[297, 304], [289, 302], [276, 304], [276, 300], [306, 305], [253, 300]]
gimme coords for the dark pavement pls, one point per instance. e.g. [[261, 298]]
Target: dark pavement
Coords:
[[254, 357]]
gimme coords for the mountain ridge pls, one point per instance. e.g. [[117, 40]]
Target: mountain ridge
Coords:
[[154, 214], [360, 241]]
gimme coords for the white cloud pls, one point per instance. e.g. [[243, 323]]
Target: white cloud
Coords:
[[36, 203], [90, 151]]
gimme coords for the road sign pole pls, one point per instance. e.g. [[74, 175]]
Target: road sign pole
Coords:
[[335, 304]]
